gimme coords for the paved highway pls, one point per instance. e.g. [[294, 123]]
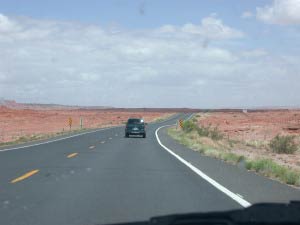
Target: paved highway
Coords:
[[102, 177]]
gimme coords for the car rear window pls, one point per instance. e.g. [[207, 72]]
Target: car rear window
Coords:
[[134, 121]]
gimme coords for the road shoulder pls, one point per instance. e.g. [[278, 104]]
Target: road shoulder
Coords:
[[252, 187]]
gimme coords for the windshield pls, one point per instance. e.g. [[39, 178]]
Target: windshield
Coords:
[[117, 111]]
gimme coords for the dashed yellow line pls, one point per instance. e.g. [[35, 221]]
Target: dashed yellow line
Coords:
[[72, 155], [26, 175]]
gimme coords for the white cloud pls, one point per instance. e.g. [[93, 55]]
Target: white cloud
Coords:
[[282, 12], [247, 15], [6, 25], [256, 53], [167, 29], [210, 27], [74, 63]]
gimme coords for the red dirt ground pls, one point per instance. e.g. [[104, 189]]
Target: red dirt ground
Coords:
[[16, 123], [253, 126], [255, 130]]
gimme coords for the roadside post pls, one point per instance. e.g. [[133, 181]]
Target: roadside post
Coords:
[[70, 122], [81, 123]]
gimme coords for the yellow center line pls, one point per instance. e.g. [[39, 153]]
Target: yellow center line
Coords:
[[72, 155], [26, 175]]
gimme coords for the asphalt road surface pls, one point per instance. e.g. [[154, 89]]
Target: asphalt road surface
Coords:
[[102, 177]]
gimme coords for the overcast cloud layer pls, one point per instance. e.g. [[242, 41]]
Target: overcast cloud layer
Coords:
[[192, 65], [280, 12]]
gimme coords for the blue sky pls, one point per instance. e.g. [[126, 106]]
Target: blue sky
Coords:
[[143, 14], [129, 13], [247, 50]]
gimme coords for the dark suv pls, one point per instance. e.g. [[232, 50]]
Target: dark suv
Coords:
[[135, 126]]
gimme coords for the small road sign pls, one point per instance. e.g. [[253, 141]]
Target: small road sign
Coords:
[[181, 123]]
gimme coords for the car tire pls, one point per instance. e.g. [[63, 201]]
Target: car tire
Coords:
[[127, 135], [144, 135]]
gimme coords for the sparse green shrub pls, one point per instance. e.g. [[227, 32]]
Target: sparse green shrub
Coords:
[[267, 166], [271, 169], [189, 126], [22, 139], [215, 134], [292, 178], [203, 131], [283, 144], [231, 143], [233, 158]]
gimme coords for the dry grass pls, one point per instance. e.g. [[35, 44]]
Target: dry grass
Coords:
[[222, 149]]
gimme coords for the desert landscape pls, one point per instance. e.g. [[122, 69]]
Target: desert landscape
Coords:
[[254, 126], [29, 122], [264, 141], [251, 132], [239, 134]]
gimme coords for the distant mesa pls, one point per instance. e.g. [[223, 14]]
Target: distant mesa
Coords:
[[12, 104]]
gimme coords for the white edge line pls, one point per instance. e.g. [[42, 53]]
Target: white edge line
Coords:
[[220, 187], [60, 139]]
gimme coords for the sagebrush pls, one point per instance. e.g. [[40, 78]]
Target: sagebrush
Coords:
[[213, 133], [283, 144]]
